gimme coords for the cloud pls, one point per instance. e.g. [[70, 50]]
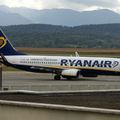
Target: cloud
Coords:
[[102, 3], [84, 4], [70, 4]]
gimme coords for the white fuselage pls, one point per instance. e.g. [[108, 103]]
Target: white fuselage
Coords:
[[62, 62]]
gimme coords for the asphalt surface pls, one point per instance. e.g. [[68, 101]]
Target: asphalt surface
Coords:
[[17, 80], [97, 99]]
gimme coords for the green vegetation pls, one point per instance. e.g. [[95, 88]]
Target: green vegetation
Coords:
[[51, 36]]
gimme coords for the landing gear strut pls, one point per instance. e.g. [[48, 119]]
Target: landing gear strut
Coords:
[[57, 77]]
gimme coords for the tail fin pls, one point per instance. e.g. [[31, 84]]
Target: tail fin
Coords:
[[6, 47]]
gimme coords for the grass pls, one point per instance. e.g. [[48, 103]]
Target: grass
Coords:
[[71, 51]]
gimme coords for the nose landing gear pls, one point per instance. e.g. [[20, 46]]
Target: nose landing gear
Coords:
[[57, 77]]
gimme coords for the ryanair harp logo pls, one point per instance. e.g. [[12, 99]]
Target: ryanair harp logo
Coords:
[[3, 42]]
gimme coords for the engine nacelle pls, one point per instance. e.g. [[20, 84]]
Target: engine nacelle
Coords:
[[70, 73]]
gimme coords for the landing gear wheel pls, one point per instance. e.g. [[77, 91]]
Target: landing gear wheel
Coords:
[[57, 77]]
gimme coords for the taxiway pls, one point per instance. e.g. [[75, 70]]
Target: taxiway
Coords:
[[15, 80]]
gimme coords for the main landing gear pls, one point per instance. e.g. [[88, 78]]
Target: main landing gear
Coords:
[[57, 77]]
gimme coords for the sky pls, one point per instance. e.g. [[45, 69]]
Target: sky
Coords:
[[79, 5]]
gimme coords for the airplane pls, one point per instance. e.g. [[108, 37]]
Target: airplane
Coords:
[[61, 66]]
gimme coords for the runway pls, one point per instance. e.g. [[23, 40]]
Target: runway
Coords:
[[17, 80]]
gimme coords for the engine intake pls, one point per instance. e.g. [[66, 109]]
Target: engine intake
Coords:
[[71, 73]]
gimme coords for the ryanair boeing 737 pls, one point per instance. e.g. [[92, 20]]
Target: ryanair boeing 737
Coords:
[[61, 66]]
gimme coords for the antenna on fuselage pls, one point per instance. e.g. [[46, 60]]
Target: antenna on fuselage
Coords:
[[76, 54]]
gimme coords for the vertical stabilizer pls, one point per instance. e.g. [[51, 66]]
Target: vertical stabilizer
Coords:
[[6, 47]]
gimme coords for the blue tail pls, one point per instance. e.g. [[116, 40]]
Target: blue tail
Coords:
[[6, 47]]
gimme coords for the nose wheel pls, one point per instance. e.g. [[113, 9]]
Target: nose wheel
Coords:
[[57, 77]]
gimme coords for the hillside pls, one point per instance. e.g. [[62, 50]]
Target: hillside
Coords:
[[88, 36], [69, 17], [9, 18], [65, 17]]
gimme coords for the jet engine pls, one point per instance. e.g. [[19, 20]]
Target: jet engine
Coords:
[[70, 73]]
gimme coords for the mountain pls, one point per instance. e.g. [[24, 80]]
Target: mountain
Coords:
[[65, 17], [9, 18], [68, 17], [28, 13], [5, 9]]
